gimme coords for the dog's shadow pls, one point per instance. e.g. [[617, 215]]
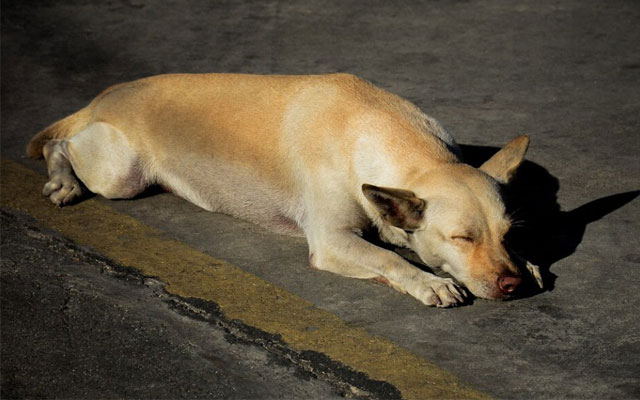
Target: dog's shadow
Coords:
[[542, 233]]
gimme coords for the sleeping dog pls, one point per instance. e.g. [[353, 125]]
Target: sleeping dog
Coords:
[[324, 156]]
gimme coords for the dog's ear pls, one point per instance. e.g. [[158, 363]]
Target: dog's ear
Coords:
[[504, 164], [400, 208]]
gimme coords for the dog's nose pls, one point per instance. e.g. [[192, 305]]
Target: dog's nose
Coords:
[[509, 283]]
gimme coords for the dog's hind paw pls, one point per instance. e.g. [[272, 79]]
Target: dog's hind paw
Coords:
[[440, 292], [62, 189], [535, 272]]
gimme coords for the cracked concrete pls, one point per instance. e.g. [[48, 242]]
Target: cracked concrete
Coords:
[[69, 317]]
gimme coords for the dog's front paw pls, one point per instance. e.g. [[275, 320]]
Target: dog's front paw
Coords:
[[62, 189], [440, 292]]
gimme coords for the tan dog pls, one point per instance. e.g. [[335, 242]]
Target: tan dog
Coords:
[[324, 156]]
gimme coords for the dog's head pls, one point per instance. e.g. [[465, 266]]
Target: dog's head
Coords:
[[455, 218]]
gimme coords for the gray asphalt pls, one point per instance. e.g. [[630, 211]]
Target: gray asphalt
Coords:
[[77, 326], [566, 73]]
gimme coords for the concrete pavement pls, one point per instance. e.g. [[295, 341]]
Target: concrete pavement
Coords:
[[78, 326], [565, 73]]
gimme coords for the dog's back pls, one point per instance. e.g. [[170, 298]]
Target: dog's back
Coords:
[[247, 145]]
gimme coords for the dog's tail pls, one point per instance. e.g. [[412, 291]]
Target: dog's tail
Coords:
[[61, 129]]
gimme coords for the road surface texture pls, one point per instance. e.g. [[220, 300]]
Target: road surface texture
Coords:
[[77, 326], [156, 298]]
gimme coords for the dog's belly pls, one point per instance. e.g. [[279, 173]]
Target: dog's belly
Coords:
[[222, 186]]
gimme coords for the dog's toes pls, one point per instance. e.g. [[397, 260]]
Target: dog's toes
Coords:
[[535, 272], [428, 296], [62, 191], [50, 187], [459, 293], [448, 298], [435, 291], [74, 193], [442, 292], [432, 298]]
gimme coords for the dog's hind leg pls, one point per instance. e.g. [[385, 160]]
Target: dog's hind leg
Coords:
[[62, 187], [101, 157]]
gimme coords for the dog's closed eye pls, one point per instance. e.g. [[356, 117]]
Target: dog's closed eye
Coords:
[[462, 238]]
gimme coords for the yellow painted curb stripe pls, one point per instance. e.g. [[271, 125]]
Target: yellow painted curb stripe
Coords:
[[240, 295]]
